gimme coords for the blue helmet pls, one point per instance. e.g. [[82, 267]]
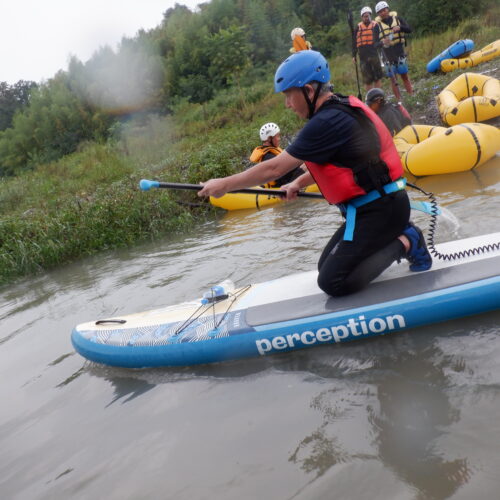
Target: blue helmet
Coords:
[[301, 68]]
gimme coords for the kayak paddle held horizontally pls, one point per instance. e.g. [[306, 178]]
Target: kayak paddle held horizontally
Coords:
[[146, 185]]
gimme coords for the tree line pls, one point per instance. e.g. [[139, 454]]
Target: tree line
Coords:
[[188, 56]]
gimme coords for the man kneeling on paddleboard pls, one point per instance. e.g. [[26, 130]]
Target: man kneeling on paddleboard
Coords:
[[351, 156]]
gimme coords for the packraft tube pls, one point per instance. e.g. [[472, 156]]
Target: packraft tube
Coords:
[[485, 54], [457, 49], [429, 150], [469, 98], [240, 201]]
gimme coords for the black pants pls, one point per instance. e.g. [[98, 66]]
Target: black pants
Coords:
[[347, 266], [371, 71], [394, 52]]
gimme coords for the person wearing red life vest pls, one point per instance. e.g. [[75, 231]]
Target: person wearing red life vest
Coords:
[[351, 156], [366, 42]]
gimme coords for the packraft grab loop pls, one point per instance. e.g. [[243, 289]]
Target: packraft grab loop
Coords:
[[113, 321]]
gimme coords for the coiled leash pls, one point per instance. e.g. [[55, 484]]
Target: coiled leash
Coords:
[[434, 212]]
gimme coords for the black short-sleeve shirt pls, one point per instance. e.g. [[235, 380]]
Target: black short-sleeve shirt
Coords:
[[333, 135], [393, 118]]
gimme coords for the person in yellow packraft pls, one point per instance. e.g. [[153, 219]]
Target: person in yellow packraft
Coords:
[[298, 36], [270, 135]]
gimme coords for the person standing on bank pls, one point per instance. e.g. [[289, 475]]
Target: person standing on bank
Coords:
[[391, 33], [270, 135], [366, 43], [350, 154]]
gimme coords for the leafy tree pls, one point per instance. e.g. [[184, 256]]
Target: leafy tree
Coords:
[[229, 55], [13, 98], [260, 32], [321, 12], [433, 16], [53, 125], [220, 14], [189, 56]]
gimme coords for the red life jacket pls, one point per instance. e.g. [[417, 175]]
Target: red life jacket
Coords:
[[364, 35], [340, 183]]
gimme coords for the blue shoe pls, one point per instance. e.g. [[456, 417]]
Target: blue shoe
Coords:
[[419, 257]]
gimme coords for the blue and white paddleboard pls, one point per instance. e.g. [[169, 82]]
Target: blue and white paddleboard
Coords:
[[457, 49], [292, 313]]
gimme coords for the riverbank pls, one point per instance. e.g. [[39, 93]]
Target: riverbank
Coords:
[[89, 201]]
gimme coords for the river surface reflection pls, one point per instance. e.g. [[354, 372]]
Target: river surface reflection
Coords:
[[408, 416]]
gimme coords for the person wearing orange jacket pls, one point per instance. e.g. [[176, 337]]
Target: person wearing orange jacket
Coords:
[[366, 42], [298, 36]]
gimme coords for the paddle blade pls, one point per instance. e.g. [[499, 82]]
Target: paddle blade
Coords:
[[146, 184], [426, 207]]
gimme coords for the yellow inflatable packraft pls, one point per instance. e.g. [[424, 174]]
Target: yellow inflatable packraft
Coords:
[[485, 54], [240, 201], [469, 98], [428, 150], [468, 184]]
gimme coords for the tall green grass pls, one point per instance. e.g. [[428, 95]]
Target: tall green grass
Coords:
[[117, 214]]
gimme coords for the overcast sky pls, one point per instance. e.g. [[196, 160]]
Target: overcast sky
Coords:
[[38, 36]]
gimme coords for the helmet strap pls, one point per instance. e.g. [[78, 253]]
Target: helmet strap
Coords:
[[312, 104]]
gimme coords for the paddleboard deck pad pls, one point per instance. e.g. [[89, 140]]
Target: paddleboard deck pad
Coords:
[[293, 313]]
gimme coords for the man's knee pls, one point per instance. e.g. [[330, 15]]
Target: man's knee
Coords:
[[335, 287]]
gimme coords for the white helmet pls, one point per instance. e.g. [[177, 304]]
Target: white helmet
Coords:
[[297, 31], [364, 10], [268, 130], [380, 6]]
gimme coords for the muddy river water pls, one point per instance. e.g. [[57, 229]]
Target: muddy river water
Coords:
[[414, 415]]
